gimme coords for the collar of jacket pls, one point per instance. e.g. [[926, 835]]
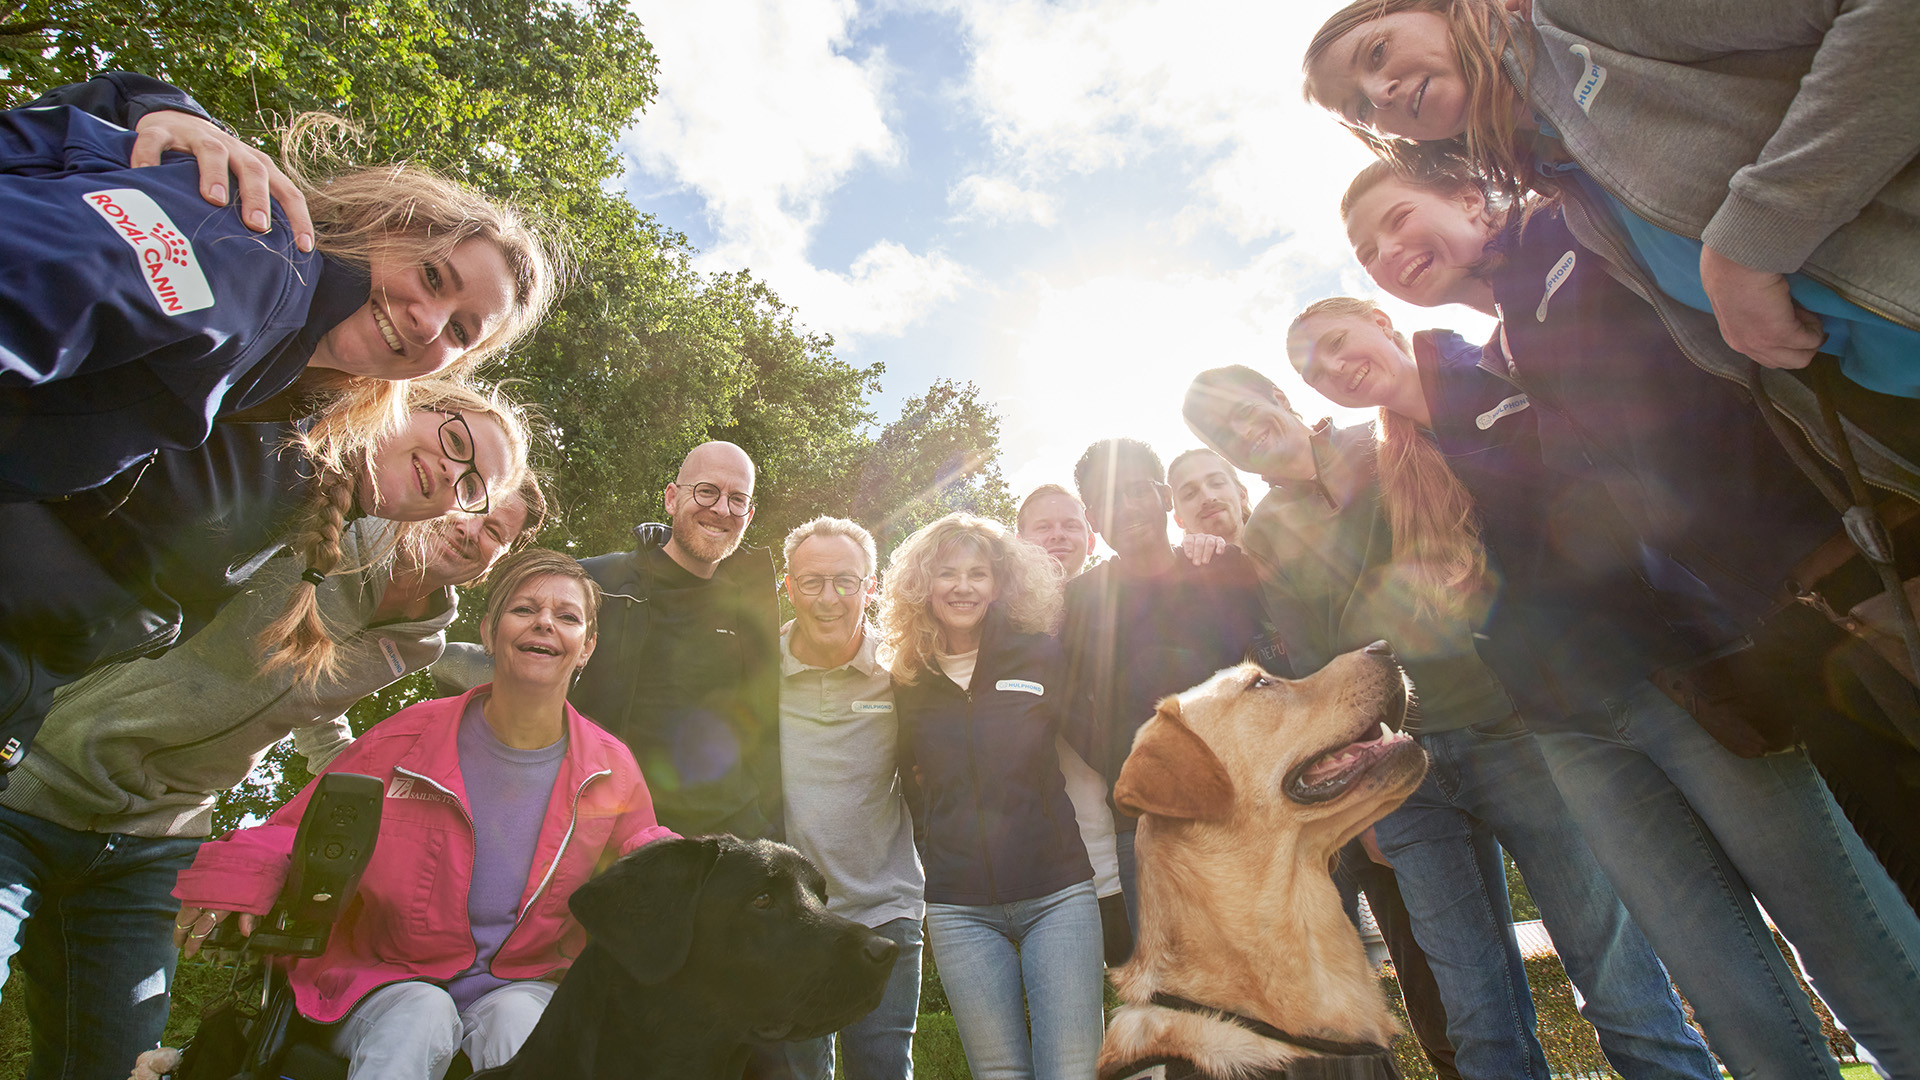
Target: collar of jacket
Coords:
[[1320, 443], [435, 753], [994, 630]]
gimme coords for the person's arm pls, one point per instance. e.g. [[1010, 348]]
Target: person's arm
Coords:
[[320, 743], [164, 118]]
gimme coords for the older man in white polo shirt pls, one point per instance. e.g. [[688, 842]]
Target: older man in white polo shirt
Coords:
[[844, 807]]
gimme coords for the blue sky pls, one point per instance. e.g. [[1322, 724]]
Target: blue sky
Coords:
[[1075, 205]]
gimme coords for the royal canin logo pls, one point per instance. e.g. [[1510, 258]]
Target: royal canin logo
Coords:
[[167, 261]]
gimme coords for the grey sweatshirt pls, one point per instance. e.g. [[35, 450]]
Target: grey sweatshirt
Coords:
[[144, 748], [1781, 132]]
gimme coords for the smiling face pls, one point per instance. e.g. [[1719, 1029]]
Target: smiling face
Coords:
[[1422, 246], [422, 316], [830, 623], [1207, 496], [469, 544], [1058, 524], [539, 637], [963, 586], [1398, 74], [415, 479], [704, 535], [1129, 509], [1257, 433], [1353, 360]]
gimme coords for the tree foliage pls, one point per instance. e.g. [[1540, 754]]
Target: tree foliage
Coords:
[[644, 357]]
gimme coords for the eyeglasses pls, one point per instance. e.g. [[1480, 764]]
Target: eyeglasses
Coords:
[[739, 503], [1131, 491], [815, 584], [470, 488]]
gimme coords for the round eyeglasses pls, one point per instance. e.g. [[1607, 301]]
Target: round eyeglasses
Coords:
[[470, 488], [815, 584]]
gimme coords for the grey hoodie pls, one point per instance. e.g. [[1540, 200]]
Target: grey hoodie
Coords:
[[144, 747], [1781, 132]]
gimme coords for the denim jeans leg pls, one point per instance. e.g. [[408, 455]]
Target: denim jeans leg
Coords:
[[1455, 888], [98, 953], [879, 1045], [1780, 826], [1062, 966], [1691, 902], [1504, 781], [979, 964]]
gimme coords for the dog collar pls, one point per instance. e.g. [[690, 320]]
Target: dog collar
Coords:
[[1268, 1031]]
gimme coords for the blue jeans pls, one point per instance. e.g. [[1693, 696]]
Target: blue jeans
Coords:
[[1488, 787], [99, 957], [1001, 963], [879, 1045], [1692, 835]]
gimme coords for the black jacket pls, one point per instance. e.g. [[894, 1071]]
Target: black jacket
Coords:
[[989, 804], [132, 568], [734, 786]]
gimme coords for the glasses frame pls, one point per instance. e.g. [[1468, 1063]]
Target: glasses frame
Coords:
[[486, 496], [822, 581], [693, 491]]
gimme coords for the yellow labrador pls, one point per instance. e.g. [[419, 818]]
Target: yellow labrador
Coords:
[[1246, 786]]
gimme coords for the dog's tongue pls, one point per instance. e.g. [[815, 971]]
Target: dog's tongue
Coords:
[[1341, 760]]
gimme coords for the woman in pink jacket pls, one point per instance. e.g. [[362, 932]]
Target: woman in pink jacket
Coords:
[[460, 928]]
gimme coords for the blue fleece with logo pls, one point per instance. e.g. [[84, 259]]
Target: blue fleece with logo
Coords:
[[133, 313]]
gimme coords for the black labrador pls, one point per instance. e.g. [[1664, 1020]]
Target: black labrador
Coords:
[[700, 948]]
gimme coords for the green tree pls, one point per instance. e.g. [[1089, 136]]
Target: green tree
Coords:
[[941, 455]]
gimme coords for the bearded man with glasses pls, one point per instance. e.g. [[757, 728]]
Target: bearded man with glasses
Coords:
[[687, 668]]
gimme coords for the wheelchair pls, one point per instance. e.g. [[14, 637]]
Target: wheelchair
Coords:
[[254, 1031]]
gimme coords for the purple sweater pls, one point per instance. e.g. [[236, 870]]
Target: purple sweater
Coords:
[[508, 789]]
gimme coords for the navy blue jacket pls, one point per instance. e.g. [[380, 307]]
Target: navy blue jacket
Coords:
[[132, 312], [1688, 458], [131, 570], [1583, 610], [989, 804]]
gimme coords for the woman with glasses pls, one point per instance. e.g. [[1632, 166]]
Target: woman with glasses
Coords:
[[968, 612], [114, 575], [501, 802]]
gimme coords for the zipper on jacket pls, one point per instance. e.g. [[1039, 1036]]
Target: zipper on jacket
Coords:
[[979, 815], [473, 859], [572, 821]]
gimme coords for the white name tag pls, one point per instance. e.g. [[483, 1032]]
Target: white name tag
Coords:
[[1512, 405], [1556, 277], [167, 262], [1025, 686], [392, 652], [873, 706], [1590, 81]]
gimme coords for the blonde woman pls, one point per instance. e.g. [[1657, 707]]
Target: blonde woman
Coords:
[[136, 314], [969, 611]]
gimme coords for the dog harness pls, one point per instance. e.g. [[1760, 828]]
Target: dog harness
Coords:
[[1339, 1060]]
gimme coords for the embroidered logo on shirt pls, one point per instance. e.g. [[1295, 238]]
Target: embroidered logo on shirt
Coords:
[[402, 787], [167, 262], [1556, 277], [392, 652], [11, 753], [1025, 686], [873, 706], [1591, 80], [1512, 405]]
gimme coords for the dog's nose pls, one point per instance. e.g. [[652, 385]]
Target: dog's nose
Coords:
[[879, 950], [1379, 648]]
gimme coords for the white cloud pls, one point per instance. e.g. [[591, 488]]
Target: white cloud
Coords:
[[764, 115], [997, 200]]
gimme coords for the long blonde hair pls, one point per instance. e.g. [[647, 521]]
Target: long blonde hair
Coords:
[[409, 214], [1029, 582], [1436, 530], [299, 637], [1481, 31]]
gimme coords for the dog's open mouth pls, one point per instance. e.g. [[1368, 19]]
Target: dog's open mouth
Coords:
[[1330, 773]]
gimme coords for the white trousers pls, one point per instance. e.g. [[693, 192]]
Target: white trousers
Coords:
[[411, 1030]]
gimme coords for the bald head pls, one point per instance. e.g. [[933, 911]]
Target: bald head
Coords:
[[710, 504]]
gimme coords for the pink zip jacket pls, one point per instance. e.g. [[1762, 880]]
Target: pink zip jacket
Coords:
[[409, 919]]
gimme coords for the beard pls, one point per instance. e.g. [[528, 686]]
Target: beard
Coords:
[[696, 541]]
